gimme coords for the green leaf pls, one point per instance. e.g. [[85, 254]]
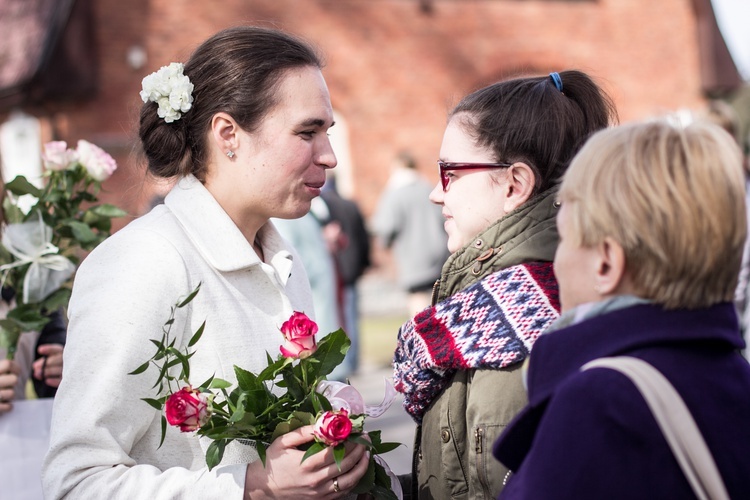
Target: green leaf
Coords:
[[261, 451], [197, 336], [293, 385], [156, 403], [382, 483], [58, 299], [238, 413], [312, 450], [247, 381], [81, 231], [13, 214], [215, 452], [386, 447], [185, 368], [269, 372], [331, 352], [140, 369], [338, 454], [366, 482], [21, 186], [163, 430], [305, 418], [190, 297], [9, 339], [296, 420], [108, 210], [219, 383], [26, 317], [359, 439]]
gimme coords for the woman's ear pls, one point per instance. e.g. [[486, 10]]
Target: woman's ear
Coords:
[[224, 133], [611, 277], [520, 184]]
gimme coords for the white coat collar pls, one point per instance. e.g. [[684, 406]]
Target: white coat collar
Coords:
[[216, 236]]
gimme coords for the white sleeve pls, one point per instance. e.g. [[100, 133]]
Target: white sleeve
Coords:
[[104, 439]]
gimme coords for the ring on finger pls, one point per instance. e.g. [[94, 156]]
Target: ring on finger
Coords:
[[336, 485]]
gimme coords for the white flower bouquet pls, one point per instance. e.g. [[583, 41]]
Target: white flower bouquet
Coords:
[[41, 247]]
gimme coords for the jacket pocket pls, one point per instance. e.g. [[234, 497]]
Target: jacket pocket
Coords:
[[483, 467]]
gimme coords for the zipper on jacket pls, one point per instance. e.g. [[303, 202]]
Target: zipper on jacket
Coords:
[[478, 440], [435, 288]]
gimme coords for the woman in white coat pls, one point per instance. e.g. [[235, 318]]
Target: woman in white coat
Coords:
[[246, 139]]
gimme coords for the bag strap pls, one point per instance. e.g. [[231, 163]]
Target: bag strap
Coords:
[[675, 421]]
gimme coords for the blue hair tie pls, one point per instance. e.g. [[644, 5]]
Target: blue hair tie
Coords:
[[556, 80]]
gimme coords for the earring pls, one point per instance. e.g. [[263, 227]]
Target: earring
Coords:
[[230, 154], [598, 289]]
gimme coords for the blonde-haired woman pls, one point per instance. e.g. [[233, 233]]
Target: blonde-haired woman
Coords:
[[652, 225]]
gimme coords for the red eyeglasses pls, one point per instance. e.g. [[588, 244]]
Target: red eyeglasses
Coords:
[[444, 166]]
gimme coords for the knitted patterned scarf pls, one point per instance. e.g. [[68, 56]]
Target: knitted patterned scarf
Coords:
[[490, 325]]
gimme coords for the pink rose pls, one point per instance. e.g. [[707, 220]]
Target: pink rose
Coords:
[[57, 156], [299, 332], [187, 409], [96, 161], [333, 427]]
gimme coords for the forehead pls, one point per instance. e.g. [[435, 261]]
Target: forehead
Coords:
[[303, 98], [459, 145]]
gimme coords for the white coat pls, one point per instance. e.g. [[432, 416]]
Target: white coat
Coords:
[[105, 440]]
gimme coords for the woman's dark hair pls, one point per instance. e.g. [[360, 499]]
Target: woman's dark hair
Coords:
[[529, 120], [236, 71]]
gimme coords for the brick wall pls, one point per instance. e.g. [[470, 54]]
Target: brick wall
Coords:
[[394, 69]]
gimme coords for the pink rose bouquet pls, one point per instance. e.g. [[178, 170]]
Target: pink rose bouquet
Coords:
[[250, 411], [42, 245]]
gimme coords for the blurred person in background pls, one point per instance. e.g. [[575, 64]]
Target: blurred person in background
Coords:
[[305, 235], [408, 223], [346, 234], [652, 224], [458, 362]]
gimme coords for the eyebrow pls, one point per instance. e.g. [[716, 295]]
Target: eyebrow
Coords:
[[315, 122]]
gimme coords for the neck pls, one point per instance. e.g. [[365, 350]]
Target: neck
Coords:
[[246, 220]]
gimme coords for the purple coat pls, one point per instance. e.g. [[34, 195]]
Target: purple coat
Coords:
[[587, 435]]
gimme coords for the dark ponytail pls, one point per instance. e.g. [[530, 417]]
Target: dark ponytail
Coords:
[[530, 120]]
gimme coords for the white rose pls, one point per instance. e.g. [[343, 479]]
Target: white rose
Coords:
[[97, 162], [57, 156]]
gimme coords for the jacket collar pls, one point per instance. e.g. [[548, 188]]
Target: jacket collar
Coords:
[[528, 234], [216, 236], [559, 354]]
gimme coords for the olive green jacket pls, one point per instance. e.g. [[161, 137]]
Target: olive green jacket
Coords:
[[453, 446]]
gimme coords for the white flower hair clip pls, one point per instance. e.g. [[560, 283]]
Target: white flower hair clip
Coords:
[[170, 89]]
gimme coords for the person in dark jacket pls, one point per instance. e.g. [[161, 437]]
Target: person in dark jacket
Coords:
[[652, 225], [346, 234]]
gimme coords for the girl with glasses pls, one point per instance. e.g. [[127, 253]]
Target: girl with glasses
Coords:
[[458, 362]]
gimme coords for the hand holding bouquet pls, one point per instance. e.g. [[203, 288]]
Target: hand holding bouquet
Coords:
[[256, 411]]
